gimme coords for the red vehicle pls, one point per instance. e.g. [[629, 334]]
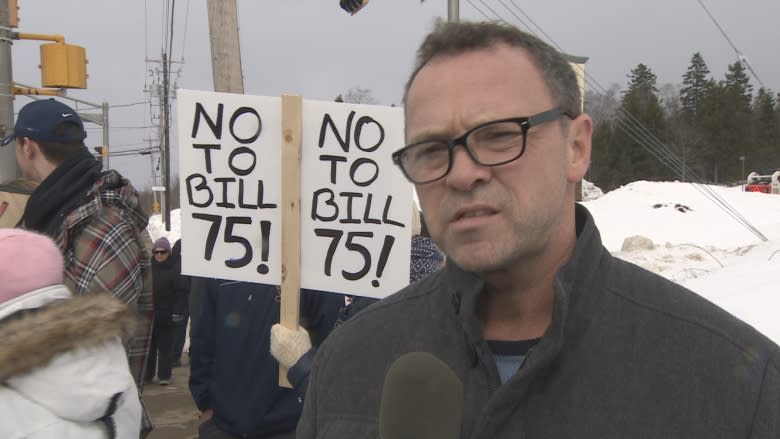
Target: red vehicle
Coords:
[[767, 184]]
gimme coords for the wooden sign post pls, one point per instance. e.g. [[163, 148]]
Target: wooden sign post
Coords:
[[291, 218], [264, 178]]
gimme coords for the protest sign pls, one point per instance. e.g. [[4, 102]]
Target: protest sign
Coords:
[[355, 211], [356, 208]]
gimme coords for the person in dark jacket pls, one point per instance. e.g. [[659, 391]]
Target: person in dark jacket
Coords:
[[182, 320], [234, 380], [168, 308], [549, 334]]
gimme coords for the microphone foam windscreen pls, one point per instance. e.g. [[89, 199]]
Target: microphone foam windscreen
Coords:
[[421, 398]]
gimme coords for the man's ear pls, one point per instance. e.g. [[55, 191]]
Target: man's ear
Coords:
[[29, 148], [579, 148]]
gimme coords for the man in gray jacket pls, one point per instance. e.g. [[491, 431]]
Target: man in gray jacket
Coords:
[[551, 336]]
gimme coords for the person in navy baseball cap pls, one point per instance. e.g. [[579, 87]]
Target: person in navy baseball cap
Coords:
[[48, 120], [93, 214]]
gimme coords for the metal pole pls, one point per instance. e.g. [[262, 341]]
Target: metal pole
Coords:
[[453, 10], [7, 155], [105, 136], [742, 160]]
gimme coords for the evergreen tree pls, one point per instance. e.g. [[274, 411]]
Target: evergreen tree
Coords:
[[713, 121], [640, 107], [735, 139], [681, 136], [603, 110], [738, 82], [695, 83], [765, 151]]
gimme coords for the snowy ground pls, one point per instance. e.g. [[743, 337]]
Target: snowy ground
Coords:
[[697, 244], [689, 238]]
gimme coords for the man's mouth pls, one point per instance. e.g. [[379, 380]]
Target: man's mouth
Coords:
[[472, 213]]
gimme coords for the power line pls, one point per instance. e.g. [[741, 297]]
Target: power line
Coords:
[[478, 10], [549, 38], [184, 37], [491, 10], [170, 38], [146, 29], [128, 105], [740, 56], [142, 127], [113, 147], [515, 15]]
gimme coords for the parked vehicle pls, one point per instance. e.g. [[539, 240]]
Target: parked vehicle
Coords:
[[764, 183]]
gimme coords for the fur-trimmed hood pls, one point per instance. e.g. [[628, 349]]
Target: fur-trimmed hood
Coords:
[[33, 337]]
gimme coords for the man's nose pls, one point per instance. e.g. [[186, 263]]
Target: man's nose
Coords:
[[465, 172]]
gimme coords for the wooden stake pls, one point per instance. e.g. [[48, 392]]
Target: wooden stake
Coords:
[[291, 217]]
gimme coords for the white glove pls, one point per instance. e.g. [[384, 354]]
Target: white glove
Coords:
[[288, 345]]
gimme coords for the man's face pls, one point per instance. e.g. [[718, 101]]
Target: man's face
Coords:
[[494, 218]]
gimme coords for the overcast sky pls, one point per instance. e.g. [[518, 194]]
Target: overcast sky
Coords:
[[313, 48]]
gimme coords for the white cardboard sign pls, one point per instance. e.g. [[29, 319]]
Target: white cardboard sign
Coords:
[[355, 204]]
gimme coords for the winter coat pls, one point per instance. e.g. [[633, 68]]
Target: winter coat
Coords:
[[231, 368], [425, 259], [170, 290], [64, 369], [628, 354], [106, 248]]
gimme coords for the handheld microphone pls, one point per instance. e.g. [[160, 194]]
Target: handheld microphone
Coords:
[[422, 398]]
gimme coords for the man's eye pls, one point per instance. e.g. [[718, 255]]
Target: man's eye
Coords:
[[497, 133], [426, 151]]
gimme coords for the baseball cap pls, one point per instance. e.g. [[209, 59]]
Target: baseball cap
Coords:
[[39, 120]]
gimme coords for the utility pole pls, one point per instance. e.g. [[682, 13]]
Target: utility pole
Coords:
[[453, 10], [155, 188], [7, 155], [225, 50], [166, 152], [159, 91]]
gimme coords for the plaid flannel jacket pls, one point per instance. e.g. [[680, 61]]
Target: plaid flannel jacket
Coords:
[[106, 249]]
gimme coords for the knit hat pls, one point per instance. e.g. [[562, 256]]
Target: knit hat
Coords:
[[28, 261], [162, 243]]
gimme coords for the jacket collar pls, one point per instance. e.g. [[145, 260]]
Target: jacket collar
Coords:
[[34, 299], [572, 283], [51, 326], [110, 189]]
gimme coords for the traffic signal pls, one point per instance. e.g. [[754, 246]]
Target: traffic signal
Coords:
[[352, 6], [63, 65]]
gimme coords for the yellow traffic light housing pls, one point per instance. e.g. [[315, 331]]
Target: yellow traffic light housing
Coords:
[[63, 65]]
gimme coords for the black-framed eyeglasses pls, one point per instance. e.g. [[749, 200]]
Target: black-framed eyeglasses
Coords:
[[491, 144], [160, 252]]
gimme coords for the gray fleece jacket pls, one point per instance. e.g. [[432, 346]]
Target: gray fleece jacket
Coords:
[[629, 354]]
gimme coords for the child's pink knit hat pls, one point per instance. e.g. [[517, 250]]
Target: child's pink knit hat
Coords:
[[28, 261]]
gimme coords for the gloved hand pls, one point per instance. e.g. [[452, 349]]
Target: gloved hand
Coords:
[[177, 318], [288, 345]]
